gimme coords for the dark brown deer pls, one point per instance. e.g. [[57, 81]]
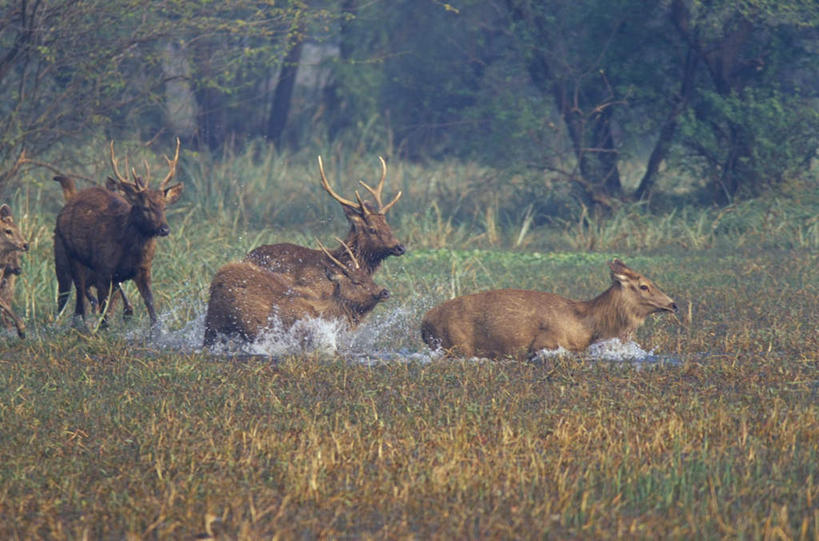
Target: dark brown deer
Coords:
[[103, 237], [69, 191], [245, 298], [519, 323], [12, 243], [370, 238]]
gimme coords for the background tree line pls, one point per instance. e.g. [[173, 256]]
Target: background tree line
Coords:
[[724, 91]]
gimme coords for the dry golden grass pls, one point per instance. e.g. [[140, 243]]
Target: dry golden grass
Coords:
[[108, 437]]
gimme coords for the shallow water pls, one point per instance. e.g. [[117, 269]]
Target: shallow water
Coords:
[[389, 335]]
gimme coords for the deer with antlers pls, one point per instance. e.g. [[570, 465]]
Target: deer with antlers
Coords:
[[370, 238], [245, 298], [69, 191], [105, 237]]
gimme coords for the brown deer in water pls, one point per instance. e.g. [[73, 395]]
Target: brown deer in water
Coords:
[[519, 323], [246, 298], [69, 191], [108, 237], [370, 239], [11, 244]]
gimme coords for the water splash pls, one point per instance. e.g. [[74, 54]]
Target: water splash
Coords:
[[613, 350], [386, 336]]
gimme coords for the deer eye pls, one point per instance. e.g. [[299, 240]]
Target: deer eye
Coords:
[[9, 231], [644, 287]]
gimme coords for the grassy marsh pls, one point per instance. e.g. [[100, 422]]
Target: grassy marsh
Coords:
[[117, 435]]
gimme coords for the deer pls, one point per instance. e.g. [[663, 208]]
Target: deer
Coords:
[[245, 298], [518, 323], [12, 243], [370, 239], [105, 237], [69, 191]]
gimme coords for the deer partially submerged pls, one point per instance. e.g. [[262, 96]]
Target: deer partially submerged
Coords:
[[245, 299], [370, 239], [12, 243], [104, 237], [519, 323]]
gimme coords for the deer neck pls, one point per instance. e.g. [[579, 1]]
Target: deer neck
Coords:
[[607, 315], [369, 260]]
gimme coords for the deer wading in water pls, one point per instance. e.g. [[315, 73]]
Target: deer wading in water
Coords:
[[519, 323]]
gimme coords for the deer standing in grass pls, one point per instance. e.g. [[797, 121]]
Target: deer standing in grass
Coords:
[[245, 298], [12, 243], [104, 237], [69, 191], [519, 323], [370, 239]]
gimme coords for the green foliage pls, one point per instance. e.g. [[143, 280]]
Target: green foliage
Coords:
[[574, 91], [766, 137]]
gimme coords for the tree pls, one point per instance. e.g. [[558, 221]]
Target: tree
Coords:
[[70, 69], [748, 124]]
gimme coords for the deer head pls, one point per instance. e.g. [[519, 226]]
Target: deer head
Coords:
[[11, 239], [354, 286], [638, 292], [370, 235], [148, 205]]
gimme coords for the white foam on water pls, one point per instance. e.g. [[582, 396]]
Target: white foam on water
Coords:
[[389, 335], [309, 335], [615, 349]]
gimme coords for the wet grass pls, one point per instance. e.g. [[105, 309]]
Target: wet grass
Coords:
[[118, 435]]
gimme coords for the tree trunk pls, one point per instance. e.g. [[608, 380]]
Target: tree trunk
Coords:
[[660, 151], [282, 96]]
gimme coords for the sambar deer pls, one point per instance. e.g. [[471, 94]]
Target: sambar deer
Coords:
[[245, 298], [519, 323], [12, 243], [104, 237], [370, 239], [69, 191]]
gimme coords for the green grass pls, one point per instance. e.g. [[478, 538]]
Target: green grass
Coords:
[[115, 435]]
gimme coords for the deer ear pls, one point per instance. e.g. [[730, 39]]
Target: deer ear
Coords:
[[130, 190], [620, 272], [352, 213], [173, 193], [5, 211], [332, 274]]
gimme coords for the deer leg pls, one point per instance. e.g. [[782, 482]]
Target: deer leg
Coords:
[[63, 270], [127, 307], [18, 323], [143, 283], [79, 277]]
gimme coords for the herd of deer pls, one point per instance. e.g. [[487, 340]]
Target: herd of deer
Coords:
[[107, 235]]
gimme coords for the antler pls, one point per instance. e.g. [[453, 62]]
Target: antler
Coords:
[[350, 253], [332, 258], [120, 178], [139, 182], [334, 195], [376, 193], [172, 166]]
